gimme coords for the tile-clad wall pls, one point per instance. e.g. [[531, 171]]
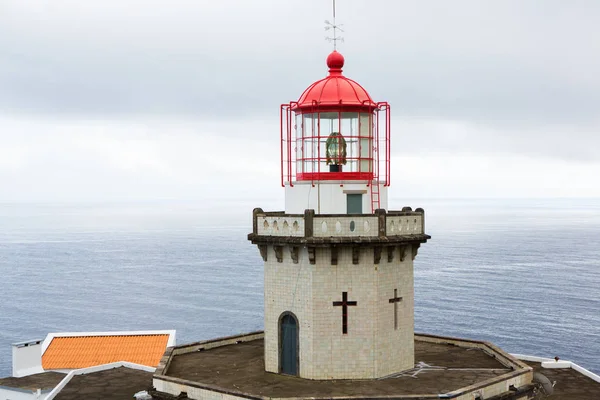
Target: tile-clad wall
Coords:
[[371, 348], [404, 225], [288, 287], [280, 225], [395, 347], [338, 355], [345, 226]]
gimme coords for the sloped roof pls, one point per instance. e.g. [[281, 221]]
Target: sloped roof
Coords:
[[80, 351]]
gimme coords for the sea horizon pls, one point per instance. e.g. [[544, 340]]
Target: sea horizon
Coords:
[[521, 273]]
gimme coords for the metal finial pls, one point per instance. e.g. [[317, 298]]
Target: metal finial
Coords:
[[335, 27]]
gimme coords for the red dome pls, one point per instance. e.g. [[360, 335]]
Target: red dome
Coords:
[[335, 92]]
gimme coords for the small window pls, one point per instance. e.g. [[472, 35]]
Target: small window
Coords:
[[354, 203]]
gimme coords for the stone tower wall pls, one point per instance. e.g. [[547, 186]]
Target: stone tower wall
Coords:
[[288, 287], [372, 347], [395, 346]]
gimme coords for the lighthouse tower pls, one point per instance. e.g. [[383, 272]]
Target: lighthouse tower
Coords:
[[338, 276]]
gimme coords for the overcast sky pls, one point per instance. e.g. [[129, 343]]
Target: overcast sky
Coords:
[[179, 99]]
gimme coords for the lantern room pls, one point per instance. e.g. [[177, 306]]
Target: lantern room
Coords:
[[335, 132]]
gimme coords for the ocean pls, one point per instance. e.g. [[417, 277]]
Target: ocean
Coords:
[[523, 274]]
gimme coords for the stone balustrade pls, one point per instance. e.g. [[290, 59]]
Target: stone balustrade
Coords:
[[279, 224], [355, 225], [380, 224], [404, 224]]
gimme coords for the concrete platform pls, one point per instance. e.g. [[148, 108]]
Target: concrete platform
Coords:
[[45, 381], [570, 384], [111, 384], [234, 368]]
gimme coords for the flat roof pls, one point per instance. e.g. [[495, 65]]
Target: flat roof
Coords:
[[111, 384], [570, 384], [441, 368], [44, 381]]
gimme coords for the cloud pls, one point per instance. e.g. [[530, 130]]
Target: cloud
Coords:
[[164, 99], [502, 61], [441, 175], [546, 141], [216, 164]]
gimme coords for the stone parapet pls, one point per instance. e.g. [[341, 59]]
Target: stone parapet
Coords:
[[310, 228]]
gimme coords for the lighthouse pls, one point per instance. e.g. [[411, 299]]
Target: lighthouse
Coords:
[[338, 265], [338, 279]]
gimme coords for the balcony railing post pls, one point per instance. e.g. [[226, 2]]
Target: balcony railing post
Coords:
[[255, 213], [420, 210], [308, 223], [381, 221]]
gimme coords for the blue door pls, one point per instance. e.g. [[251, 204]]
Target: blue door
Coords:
[[288, 334], [354, 203]]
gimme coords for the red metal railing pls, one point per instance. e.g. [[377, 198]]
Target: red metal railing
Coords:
[[293, 158]]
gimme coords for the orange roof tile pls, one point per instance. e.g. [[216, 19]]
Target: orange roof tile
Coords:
[[85, 351]]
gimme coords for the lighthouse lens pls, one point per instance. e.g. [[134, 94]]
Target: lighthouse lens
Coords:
[[336, 149]]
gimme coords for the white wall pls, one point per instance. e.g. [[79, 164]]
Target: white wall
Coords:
[[27, 358], [329, 197]]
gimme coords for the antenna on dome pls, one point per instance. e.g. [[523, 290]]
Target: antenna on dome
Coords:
[[335, 27]]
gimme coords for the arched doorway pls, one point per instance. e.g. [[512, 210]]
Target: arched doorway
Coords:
[[288, 344]]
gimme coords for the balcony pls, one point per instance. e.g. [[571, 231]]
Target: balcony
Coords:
[[310, 228]]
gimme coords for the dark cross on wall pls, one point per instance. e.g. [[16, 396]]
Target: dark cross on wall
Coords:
[[345, 303], [395, 300]]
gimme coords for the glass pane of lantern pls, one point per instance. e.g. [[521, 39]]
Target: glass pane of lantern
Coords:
[[315, 152], [307, 166], [366, 143], [298, 126], [346, 124], [366, 122], [308, 125], [365, 148], [352, 147], [349, 126], [329, 122], [307, 146], [308, 152], [352, 166], [298, 145], [322, 151], [354, 124], [365, 166]]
